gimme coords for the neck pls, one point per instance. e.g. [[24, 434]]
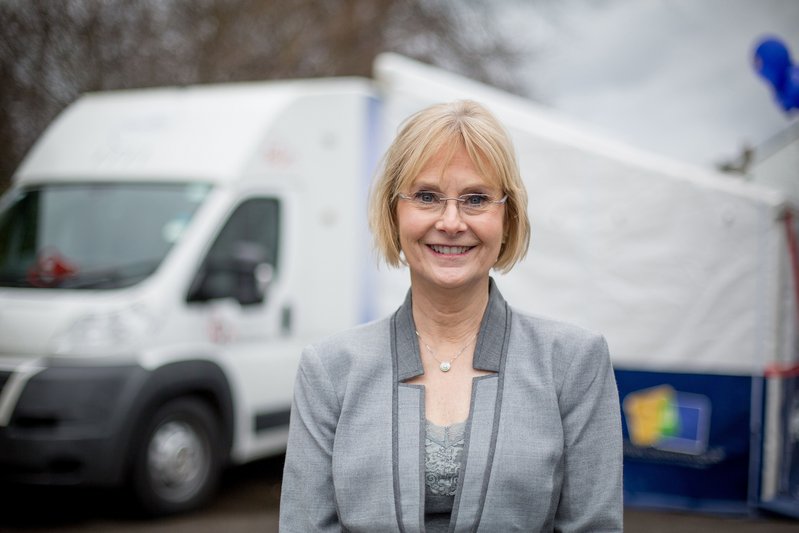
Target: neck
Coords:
[[449, 315]]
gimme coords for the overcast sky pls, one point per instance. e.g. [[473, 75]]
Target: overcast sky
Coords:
[[671, 76]]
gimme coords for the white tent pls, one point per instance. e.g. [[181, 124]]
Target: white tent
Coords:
[[688, 273]]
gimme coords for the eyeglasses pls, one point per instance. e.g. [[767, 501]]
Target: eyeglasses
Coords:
[[469, 204]]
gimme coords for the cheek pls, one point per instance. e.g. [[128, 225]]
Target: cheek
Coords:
[[493, 233], [407, 225]]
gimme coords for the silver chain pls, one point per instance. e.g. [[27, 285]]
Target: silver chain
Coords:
[[444, 366]]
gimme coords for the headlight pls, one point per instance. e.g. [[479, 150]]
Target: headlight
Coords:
[[107, 333]]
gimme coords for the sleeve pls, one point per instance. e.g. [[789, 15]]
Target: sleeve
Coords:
[[591, 493], [307, 501]]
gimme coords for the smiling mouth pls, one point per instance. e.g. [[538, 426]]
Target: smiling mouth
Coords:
[[450, 250]]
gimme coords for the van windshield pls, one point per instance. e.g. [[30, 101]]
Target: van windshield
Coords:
[[91, 236]]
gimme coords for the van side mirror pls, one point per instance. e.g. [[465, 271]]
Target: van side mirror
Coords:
[[244, 276]]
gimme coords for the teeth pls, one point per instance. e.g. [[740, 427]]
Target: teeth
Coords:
[[450, 249]]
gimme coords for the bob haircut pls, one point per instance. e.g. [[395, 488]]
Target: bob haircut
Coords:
[[449, 126]]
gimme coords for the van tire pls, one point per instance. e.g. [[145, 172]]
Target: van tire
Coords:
[[177, 458]]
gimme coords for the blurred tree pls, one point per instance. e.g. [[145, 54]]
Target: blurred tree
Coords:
[[51, 51]]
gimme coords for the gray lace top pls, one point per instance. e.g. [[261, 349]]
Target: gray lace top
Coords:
[[443, 450]]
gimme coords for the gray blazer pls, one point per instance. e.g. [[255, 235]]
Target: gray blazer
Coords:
[[543, 449]]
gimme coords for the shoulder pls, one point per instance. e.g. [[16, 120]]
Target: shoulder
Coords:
[[348, 363], [564, 345], [353, 339], [543, 330], [339, 351]]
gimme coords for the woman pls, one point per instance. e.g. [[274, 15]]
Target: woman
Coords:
[[457, 413]]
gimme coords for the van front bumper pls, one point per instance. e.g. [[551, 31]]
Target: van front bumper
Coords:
[[67, 424]]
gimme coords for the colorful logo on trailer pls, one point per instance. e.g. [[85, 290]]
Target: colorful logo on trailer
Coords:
[[668, 420]]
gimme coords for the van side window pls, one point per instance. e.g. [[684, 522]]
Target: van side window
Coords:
[[244, 256]]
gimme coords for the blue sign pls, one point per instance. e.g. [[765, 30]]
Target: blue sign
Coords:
[[686, 440]]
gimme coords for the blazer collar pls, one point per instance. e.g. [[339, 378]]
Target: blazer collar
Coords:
[[488, 348]]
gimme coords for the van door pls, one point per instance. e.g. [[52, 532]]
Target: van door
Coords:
[[243, 296]]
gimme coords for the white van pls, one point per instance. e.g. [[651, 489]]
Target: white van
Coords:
[[164, 255]]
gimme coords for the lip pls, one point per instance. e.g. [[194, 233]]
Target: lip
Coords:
[[449, 250]]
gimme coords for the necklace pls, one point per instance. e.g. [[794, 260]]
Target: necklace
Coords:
[[444, 366]]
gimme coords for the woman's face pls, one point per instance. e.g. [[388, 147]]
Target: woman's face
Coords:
[[449, 249]]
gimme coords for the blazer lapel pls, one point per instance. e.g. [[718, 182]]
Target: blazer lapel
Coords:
[[409, 457], [407, 427], [477, 453]]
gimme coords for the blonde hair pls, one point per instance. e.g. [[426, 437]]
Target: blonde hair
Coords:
[[462, 123]]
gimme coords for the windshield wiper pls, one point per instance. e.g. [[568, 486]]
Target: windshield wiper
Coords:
[[110, 278], [104, 278]]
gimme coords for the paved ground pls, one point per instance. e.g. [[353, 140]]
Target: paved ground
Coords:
[[248, 502]]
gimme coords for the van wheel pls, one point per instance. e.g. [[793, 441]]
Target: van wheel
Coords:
[[177, 460]]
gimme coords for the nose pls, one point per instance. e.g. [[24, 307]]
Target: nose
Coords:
[[450, 220]]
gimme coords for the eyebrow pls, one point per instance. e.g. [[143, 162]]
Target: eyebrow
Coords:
[[470, 189], [433, 185], [424, 186]]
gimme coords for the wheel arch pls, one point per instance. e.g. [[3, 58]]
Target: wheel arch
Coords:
[[200, 379]]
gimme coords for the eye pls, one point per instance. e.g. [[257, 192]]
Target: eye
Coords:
[[475, 200], [426, 197]]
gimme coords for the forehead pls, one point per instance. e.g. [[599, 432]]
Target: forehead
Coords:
[[452, 165]]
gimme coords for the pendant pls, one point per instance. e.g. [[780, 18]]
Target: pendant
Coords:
[[445, 366]]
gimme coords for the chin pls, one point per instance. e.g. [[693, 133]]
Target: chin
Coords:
[[456, 281]]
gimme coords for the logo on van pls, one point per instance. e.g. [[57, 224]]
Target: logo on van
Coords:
[[665, 419]]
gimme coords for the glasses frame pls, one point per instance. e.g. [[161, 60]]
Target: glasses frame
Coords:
[[442, 202]]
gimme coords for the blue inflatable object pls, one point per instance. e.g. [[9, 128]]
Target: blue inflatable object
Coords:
[[772, 61]]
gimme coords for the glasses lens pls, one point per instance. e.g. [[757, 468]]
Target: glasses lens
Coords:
[[426, 200], [474, 203]]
